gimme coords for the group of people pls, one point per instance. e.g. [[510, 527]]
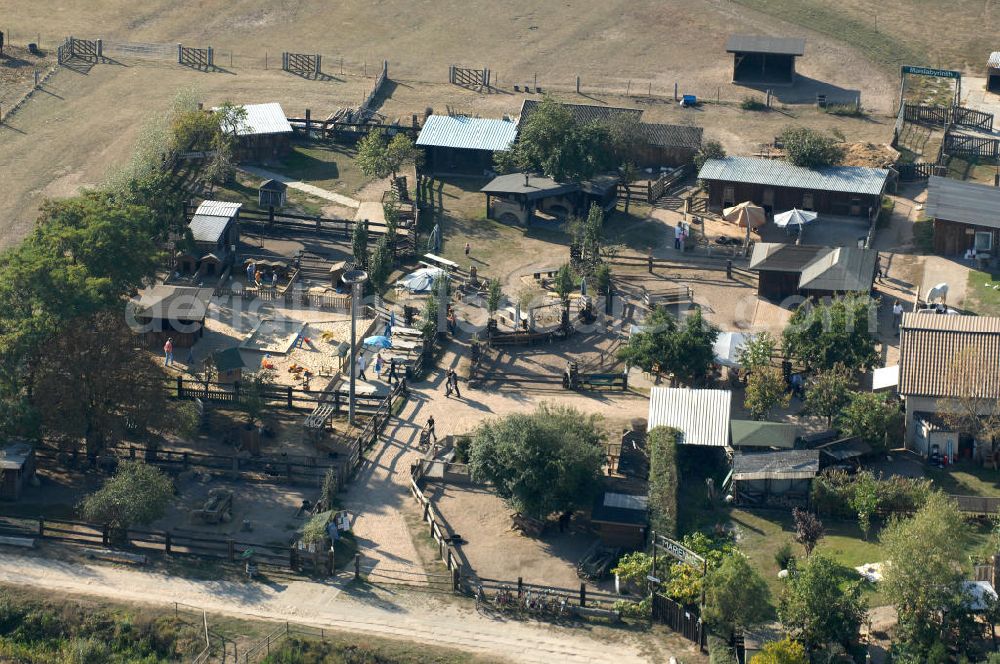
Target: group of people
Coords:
[[391, 374], [255, 276]]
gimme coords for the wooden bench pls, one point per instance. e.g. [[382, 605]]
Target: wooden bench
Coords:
[[678, 295], [612, 380], [437, 261]]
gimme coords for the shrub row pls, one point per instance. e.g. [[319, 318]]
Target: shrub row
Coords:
[[832, 493], [662, 446]]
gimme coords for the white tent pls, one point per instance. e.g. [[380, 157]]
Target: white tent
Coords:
[[727, 348], [420, 281], [794, 217]]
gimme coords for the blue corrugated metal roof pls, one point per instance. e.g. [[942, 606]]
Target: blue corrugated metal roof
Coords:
[[774, 173], [445, 131]]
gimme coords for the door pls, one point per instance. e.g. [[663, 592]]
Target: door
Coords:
[[807, 201], [767, 197], [728, 196]]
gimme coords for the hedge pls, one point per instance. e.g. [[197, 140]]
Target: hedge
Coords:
[[832, 492], [662, 446]]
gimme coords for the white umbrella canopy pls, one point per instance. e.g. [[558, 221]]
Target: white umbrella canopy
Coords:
[[746, 215], [794, 217], [727, 348]]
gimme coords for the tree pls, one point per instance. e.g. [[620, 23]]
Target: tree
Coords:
[[402, 151], [541, 462], [694, 348], [627, 136], [818, 607], [137, 494], [602, 279], [765, 391], [380, 157], [840, 331], [255, 389], [93, 385], [381, 265], [865, 499], [494, 293], [736, 596], [810, 148], [829, 392], [709, 150], [785, 651], [925, 580], [808, 529], [873, 418], [429, 318], [550, 141], [756, 352], [359, 244], [593, 232], [629, 174]]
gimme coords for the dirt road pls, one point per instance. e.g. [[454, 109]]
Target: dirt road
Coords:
[[417, 617]]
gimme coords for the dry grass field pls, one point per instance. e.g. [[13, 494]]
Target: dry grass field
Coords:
[[85, 122]]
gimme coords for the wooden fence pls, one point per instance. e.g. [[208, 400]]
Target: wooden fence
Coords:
[[279, 396], [651, 191], [368, 106], [912, 172], [303, 64], [199, 58], [469, 78], [147, 541], [970, 146], [941, 116], [681, 620]]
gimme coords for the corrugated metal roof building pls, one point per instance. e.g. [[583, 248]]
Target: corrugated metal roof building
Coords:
[[958, 207], [463, 145], [265, 132], [930, 343], [778, 185], [702, 416], [212, 219], [993, 72], [789, 269]]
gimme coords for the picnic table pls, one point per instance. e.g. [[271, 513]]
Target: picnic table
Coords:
[[438, 261]]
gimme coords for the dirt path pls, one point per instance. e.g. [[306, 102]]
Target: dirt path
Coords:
[[418, 616], [311, 189]]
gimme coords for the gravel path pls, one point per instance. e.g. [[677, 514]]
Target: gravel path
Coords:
[[394, 614]]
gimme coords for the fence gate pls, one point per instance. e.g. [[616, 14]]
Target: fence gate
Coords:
[[470, 78], [977, 147], [969, 117], [85, 49], [199, 58], [302, 64]]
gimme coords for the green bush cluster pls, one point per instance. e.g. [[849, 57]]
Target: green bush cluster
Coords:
[[833, 492], [751, 103], [662, 446]]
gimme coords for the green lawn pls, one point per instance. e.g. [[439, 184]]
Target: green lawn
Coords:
[[329, 166], [966, 479], [980, 296]]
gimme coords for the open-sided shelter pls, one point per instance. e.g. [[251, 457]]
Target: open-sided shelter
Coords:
[[785, 476], [17, 467], [523, 198], [702, 416], [785, 270], [966, 216], [172, 312], [762, 59], [779, 185], [463, 145]]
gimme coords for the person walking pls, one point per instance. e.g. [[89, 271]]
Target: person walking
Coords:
[[392, 370], [378, 364], [897, 315], [168, 352], [430, 428], [447, 382], [454, 383], [362, 363], [678, 232], [468, 249]]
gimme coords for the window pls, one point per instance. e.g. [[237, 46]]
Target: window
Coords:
[[807, 201], [984, 241], [728, 195]]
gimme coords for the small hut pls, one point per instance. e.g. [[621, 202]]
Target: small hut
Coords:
[[229, 364], [993, 72], [785, 476], [264, 133], [17, 466], [214, 236], [172, 312], [271, 194], [762, 59], [620, 519]]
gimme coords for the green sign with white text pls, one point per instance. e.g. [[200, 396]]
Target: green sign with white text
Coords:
[[927, 71]]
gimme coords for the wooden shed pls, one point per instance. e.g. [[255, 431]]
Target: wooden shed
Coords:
[[214, 237], [993, 72], [778, 185], [786, 270], [229, 364], [462, 145], [621, 519], [264, 134], [17, 467], [271, 193], [966, 217], [762, 59], [172, 312]]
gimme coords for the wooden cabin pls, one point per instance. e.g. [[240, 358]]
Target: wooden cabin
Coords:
[[778, 185], [264, 134], [213, 240], [229, 365], [621, 519], [787, 270], [172, 312], [459, 145], [966, 218], [271, 194], [17, 468]]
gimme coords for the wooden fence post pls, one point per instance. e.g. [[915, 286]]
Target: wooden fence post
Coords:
[[357, 566], [729, 269], [520, 586], [231, 545], [289, 388], [166, 543], [104, 535], [180, 387], [455, 578], [180, 54], [583, 594], [41, 527]]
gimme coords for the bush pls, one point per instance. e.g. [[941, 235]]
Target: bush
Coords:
[[719, 651], [810, 148], [641, 610], [923, 235], [845, 110], [662, 446], [314, 532], [784, 555], [833, 494], [751, 103]]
